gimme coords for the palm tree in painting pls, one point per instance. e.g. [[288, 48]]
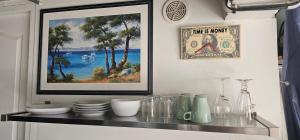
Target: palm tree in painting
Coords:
[[60, 60], [102, 44], [129, 32], [99, 29], [51, 46], [58, 36]]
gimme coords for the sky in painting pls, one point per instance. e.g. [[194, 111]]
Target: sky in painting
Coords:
[[78, 35]]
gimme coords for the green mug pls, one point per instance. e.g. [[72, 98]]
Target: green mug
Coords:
[[184, 104], [200, 110]]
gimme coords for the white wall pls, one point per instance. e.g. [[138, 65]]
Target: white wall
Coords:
[[173, 75]]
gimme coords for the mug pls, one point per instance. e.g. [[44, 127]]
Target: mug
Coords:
[[200, 110], [184, 104]]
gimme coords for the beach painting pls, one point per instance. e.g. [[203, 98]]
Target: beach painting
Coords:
[[104, 49], [97, 50]]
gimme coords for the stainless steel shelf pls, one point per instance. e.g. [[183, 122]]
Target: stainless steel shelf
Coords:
[[232, 124]]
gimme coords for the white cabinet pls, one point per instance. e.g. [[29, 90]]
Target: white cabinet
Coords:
[[9, 80], [13, 70]]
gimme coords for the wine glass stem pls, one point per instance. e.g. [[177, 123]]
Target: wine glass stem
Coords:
[[222, 94]]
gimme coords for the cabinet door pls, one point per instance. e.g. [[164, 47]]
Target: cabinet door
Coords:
[[10, 49], [14, 30]]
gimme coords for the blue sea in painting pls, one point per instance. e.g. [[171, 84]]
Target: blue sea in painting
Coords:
[[82, 63]]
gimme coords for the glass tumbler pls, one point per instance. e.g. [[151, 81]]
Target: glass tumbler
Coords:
[[166, 106], [149, 107], [222, 107]]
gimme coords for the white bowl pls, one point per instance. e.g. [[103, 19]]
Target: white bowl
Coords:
[[125, 107]]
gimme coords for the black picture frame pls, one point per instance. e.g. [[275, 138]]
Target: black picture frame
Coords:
[[112, 91]]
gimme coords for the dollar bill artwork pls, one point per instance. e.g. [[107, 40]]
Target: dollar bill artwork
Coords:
[[216, 41]]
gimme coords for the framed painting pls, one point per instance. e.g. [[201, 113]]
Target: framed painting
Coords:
[[103, 49], [210, 41]]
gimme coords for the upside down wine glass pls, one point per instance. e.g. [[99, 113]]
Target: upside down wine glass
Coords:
[[222, 106], [244, 103]]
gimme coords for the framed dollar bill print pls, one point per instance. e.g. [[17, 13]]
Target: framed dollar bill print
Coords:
[[210, 41], [103, 49]]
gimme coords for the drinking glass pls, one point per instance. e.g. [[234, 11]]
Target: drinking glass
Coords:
[[244, 104], [222, 106], [166, 106], [149, 107]]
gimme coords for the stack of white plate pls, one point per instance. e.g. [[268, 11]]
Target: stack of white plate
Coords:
[[91, 108], [47, 109]]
